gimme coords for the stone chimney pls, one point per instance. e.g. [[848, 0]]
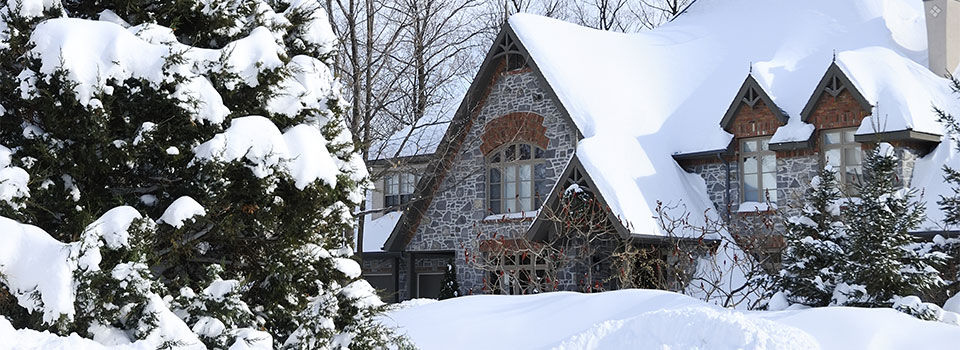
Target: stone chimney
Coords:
[[943, 34]]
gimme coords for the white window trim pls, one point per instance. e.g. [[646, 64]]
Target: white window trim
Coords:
[[762, 192]]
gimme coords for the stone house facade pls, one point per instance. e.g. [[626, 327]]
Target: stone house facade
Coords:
[[512, 149]]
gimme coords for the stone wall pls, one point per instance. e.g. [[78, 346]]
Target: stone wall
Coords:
[[458, 211], [795, 170], [794, 174]]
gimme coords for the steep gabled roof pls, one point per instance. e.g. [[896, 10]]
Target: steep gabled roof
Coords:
[[750, 93], [576, 175], [573, 175], [506, 46], [833, 82], [897, 92]]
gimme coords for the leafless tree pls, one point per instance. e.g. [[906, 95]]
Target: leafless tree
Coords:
[[736, 269], [614, 15], [584, 252], [653, 13]]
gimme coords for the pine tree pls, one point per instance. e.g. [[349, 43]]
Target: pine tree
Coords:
[[449, 287], [809, 265], [221, 123], [950, 204], [883, 262]]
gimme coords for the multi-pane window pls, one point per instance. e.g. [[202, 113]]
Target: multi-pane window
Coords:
[[518, 273], [759, 170], [844, 154], [517, 179], [398, 189]]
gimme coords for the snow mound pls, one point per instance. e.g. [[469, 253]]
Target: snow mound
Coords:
[[652, 319], [37, 269], [31, 339], [180, 210], [691, 328]]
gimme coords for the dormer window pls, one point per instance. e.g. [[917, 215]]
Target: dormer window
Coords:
[[517, 179], [758, 175]]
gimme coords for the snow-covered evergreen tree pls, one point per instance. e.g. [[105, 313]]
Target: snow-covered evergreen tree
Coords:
[[214, 128], [882, 260], [449, 287], [809, 271]]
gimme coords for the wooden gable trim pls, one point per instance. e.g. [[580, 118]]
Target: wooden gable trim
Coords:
[[541, 227], [826, 86], [750, 93], [506, 43]]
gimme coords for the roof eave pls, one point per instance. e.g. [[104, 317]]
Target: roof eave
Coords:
[[703, 154], [900, 135], [792, 145]]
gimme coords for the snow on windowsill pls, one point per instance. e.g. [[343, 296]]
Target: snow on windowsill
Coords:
[[756, 207], [518, 216]]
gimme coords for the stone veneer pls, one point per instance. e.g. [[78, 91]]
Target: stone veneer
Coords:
[[794, 173], [458, 210]]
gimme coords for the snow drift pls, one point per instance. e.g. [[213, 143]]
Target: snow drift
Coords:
[[648, 319]]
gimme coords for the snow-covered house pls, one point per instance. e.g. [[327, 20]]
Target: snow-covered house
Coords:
[[735, 104]]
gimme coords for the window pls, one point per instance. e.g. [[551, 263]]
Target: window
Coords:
[[844, 154], [398, 189], [517, 179], [759, 171], [519, 274]]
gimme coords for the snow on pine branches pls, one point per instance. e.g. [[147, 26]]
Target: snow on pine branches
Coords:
[[846, 249], [178, 173]]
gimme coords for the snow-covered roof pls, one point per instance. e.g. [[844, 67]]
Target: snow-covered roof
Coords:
[[412, 140], [376, 231], [663, 92]]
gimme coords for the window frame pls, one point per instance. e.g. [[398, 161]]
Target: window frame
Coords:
[[509, 280], [847, 185], [764, 195], [402, 181], [497, 161]]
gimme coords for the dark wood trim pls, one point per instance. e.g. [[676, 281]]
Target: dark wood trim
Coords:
[[411, 271], [901, 135], [833, 71], [724, 152], [536, 231], [396, 278], [794, 145], [407, 160], [748, 83]]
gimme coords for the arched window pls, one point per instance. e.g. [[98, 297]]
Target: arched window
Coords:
[[517, 178]]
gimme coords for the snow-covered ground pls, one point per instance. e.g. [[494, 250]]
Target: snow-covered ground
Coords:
[[649, 319]]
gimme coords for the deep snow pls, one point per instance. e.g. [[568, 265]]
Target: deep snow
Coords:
[[651, 319]]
